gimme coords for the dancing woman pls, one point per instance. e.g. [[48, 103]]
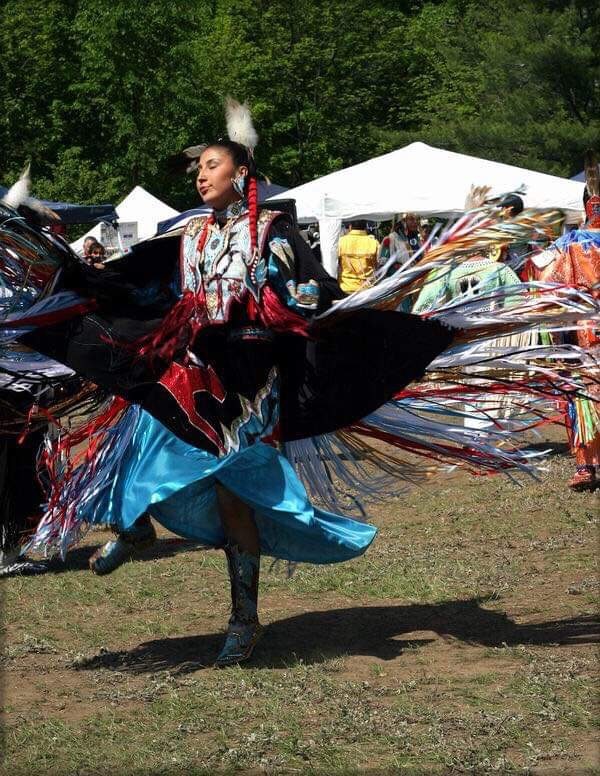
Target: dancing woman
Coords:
[[221, 359], [231, 342]]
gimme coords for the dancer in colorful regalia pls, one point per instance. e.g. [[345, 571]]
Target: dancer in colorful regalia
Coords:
[[574, 260], [201, 451], [479, 274], [243, 350], [29, 382]]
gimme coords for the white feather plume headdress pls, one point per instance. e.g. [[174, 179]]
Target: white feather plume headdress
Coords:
[[240, 128], [477, 197], [18, 196], [19, 191]]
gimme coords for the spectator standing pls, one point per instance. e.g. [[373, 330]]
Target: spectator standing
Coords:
[[412, 233], [515, 254], [394, 245], [314, 240], [96, 255], [358, 254], [87, 244]]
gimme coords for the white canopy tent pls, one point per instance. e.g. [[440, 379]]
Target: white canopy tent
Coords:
[[139, 207], [419, 179]]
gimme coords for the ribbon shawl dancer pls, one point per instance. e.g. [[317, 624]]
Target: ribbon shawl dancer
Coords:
[[230, 367]]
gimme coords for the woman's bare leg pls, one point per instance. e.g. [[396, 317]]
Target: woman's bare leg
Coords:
[[237, 521]]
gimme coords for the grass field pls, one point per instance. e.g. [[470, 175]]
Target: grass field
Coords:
[[465, 640]]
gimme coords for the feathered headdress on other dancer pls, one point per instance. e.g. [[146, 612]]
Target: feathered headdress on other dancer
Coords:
[[477, 197], [17, 198], [591, 196]]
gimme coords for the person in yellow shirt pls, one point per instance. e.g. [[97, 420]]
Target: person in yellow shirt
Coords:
[[358, 254]]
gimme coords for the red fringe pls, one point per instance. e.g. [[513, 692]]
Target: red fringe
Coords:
[[48, 319], [540, 386], [179, 326], [419, 448], [176, 330], [61, 470]]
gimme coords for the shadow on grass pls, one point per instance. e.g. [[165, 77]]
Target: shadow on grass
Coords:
[[374, 631], [78, 558], [553, 448]]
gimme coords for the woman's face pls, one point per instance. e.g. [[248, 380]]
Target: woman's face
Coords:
[[216, 170]]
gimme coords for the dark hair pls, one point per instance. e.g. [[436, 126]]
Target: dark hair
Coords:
[[358, 223], [586, 195], [91, 244], [239, 154], [514, 202]]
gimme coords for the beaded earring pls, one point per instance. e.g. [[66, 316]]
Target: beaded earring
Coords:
[[239, 184]]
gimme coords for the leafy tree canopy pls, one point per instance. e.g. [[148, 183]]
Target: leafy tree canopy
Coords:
[[99, 94]]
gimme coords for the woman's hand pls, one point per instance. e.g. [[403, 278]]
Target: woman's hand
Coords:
[[307, 294]]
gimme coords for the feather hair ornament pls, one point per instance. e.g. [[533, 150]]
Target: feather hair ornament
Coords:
[[35, 206], [192, 156], [240, 128], [18, 193], [592, 174], [477, 197]]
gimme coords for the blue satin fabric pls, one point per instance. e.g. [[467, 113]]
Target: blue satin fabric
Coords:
[[175, 483], [587, 237]]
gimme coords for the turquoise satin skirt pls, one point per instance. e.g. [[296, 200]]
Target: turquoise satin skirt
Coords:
[[175, 483]]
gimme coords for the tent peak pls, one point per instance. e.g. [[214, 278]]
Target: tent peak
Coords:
[[417, 144]]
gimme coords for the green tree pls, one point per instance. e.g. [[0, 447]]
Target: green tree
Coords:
[[35, 65], [515, 82], [99, 94], [317, 75]]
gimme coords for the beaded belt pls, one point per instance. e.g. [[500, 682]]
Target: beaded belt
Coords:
[[252, 333]]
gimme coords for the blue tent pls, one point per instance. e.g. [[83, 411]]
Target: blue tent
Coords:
[[77, 214], [579, 177], [265, 190]]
